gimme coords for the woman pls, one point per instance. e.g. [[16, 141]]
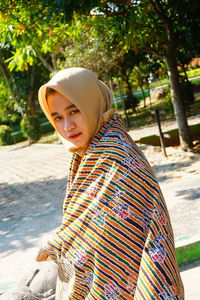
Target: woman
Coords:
[[115, 241]]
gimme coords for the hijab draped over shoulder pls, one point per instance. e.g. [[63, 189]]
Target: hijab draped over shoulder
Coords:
[[89, 94], [115, 241]]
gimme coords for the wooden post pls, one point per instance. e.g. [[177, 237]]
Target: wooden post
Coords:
[[123, 103], [162, 142]]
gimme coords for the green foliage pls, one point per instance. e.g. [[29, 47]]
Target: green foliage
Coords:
[[22, 58], [5, 135], [8, 114], [31, 30], [165, 106], [30, 128], [4, 107], [68, 8], [87, 48], [45, 128]]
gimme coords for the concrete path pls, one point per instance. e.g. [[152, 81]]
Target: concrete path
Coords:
[[190, 276], [32, 187]]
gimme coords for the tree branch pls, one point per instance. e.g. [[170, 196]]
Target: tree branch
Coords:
[[53, 58], [153, 51], [166, 20], [46, 64], [159, 11]]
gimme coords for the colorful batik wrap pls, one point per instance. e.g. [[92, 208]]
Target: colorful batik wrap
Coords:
[[116, 240]]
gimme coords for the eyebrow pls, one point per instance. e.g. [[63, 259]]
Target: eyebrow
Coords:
[[66, 108]]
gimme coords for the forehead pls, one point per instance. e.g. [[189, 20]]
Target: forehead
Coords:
[[58, 102]]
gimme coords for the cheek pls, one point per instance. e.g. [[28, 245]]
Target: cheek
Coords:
[[86, 130], [83, 125], [60, 126]]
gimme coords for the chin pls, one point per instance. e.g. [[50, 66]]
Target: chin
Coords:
[[77, 145]]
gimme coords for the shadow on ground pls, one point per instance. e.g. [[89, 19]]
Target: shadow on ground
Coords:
[[189, 194], [171, 138], [29, 210], [162, 171]]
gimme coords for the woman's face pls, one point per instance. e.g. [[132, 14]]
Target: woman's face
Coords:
[[68, 120]]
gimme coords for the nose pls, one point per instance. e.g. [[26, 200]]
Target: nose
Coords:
[[68, 124]]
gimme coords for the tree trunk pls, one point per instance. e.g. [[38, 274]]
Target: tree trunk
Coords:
[[53, 59], [170, 58], [129, 86], [184, 134], [30, 96], [123, 103]]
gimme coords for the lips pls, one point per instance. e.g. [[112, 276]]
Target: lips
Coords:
[[74, 135]]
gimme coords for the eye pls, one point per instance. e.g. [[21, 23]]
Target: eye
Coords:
[[57, 118], [74, 112]]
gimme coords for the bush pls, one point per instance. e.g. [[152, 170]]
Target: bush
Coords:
[[5, 135], [30, 128], [131, 102]]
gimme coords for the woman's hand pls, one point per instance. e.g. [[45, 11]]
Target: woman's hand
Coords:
[[42, 256]]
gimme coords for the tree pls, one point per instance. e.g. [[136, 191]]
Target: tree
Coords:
[[37, 30], [123, 69], [87, 49], [28, 51], [33, 34], [22, 86], [31, 31], [153, 27]]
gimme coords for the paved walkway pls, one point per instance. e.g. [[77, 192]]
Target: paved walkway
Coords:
[[152, 129], [32, 186]]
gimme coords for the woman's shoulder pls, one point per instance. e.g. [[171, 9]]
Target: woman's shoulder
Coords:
[[116, 144]]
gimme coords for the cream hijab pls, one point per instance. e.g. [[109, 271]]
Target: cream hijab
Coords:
[[89, 94]]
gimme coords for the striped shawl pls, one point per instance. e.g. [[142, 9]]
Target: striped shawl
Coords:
[[115, 241]]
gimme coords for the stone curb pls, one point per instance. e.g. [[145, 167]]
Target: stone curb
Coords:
[[38, 283], [188, 250]]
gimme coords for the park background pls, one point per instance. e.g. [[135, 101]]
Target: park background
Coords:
[[134, 46]]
